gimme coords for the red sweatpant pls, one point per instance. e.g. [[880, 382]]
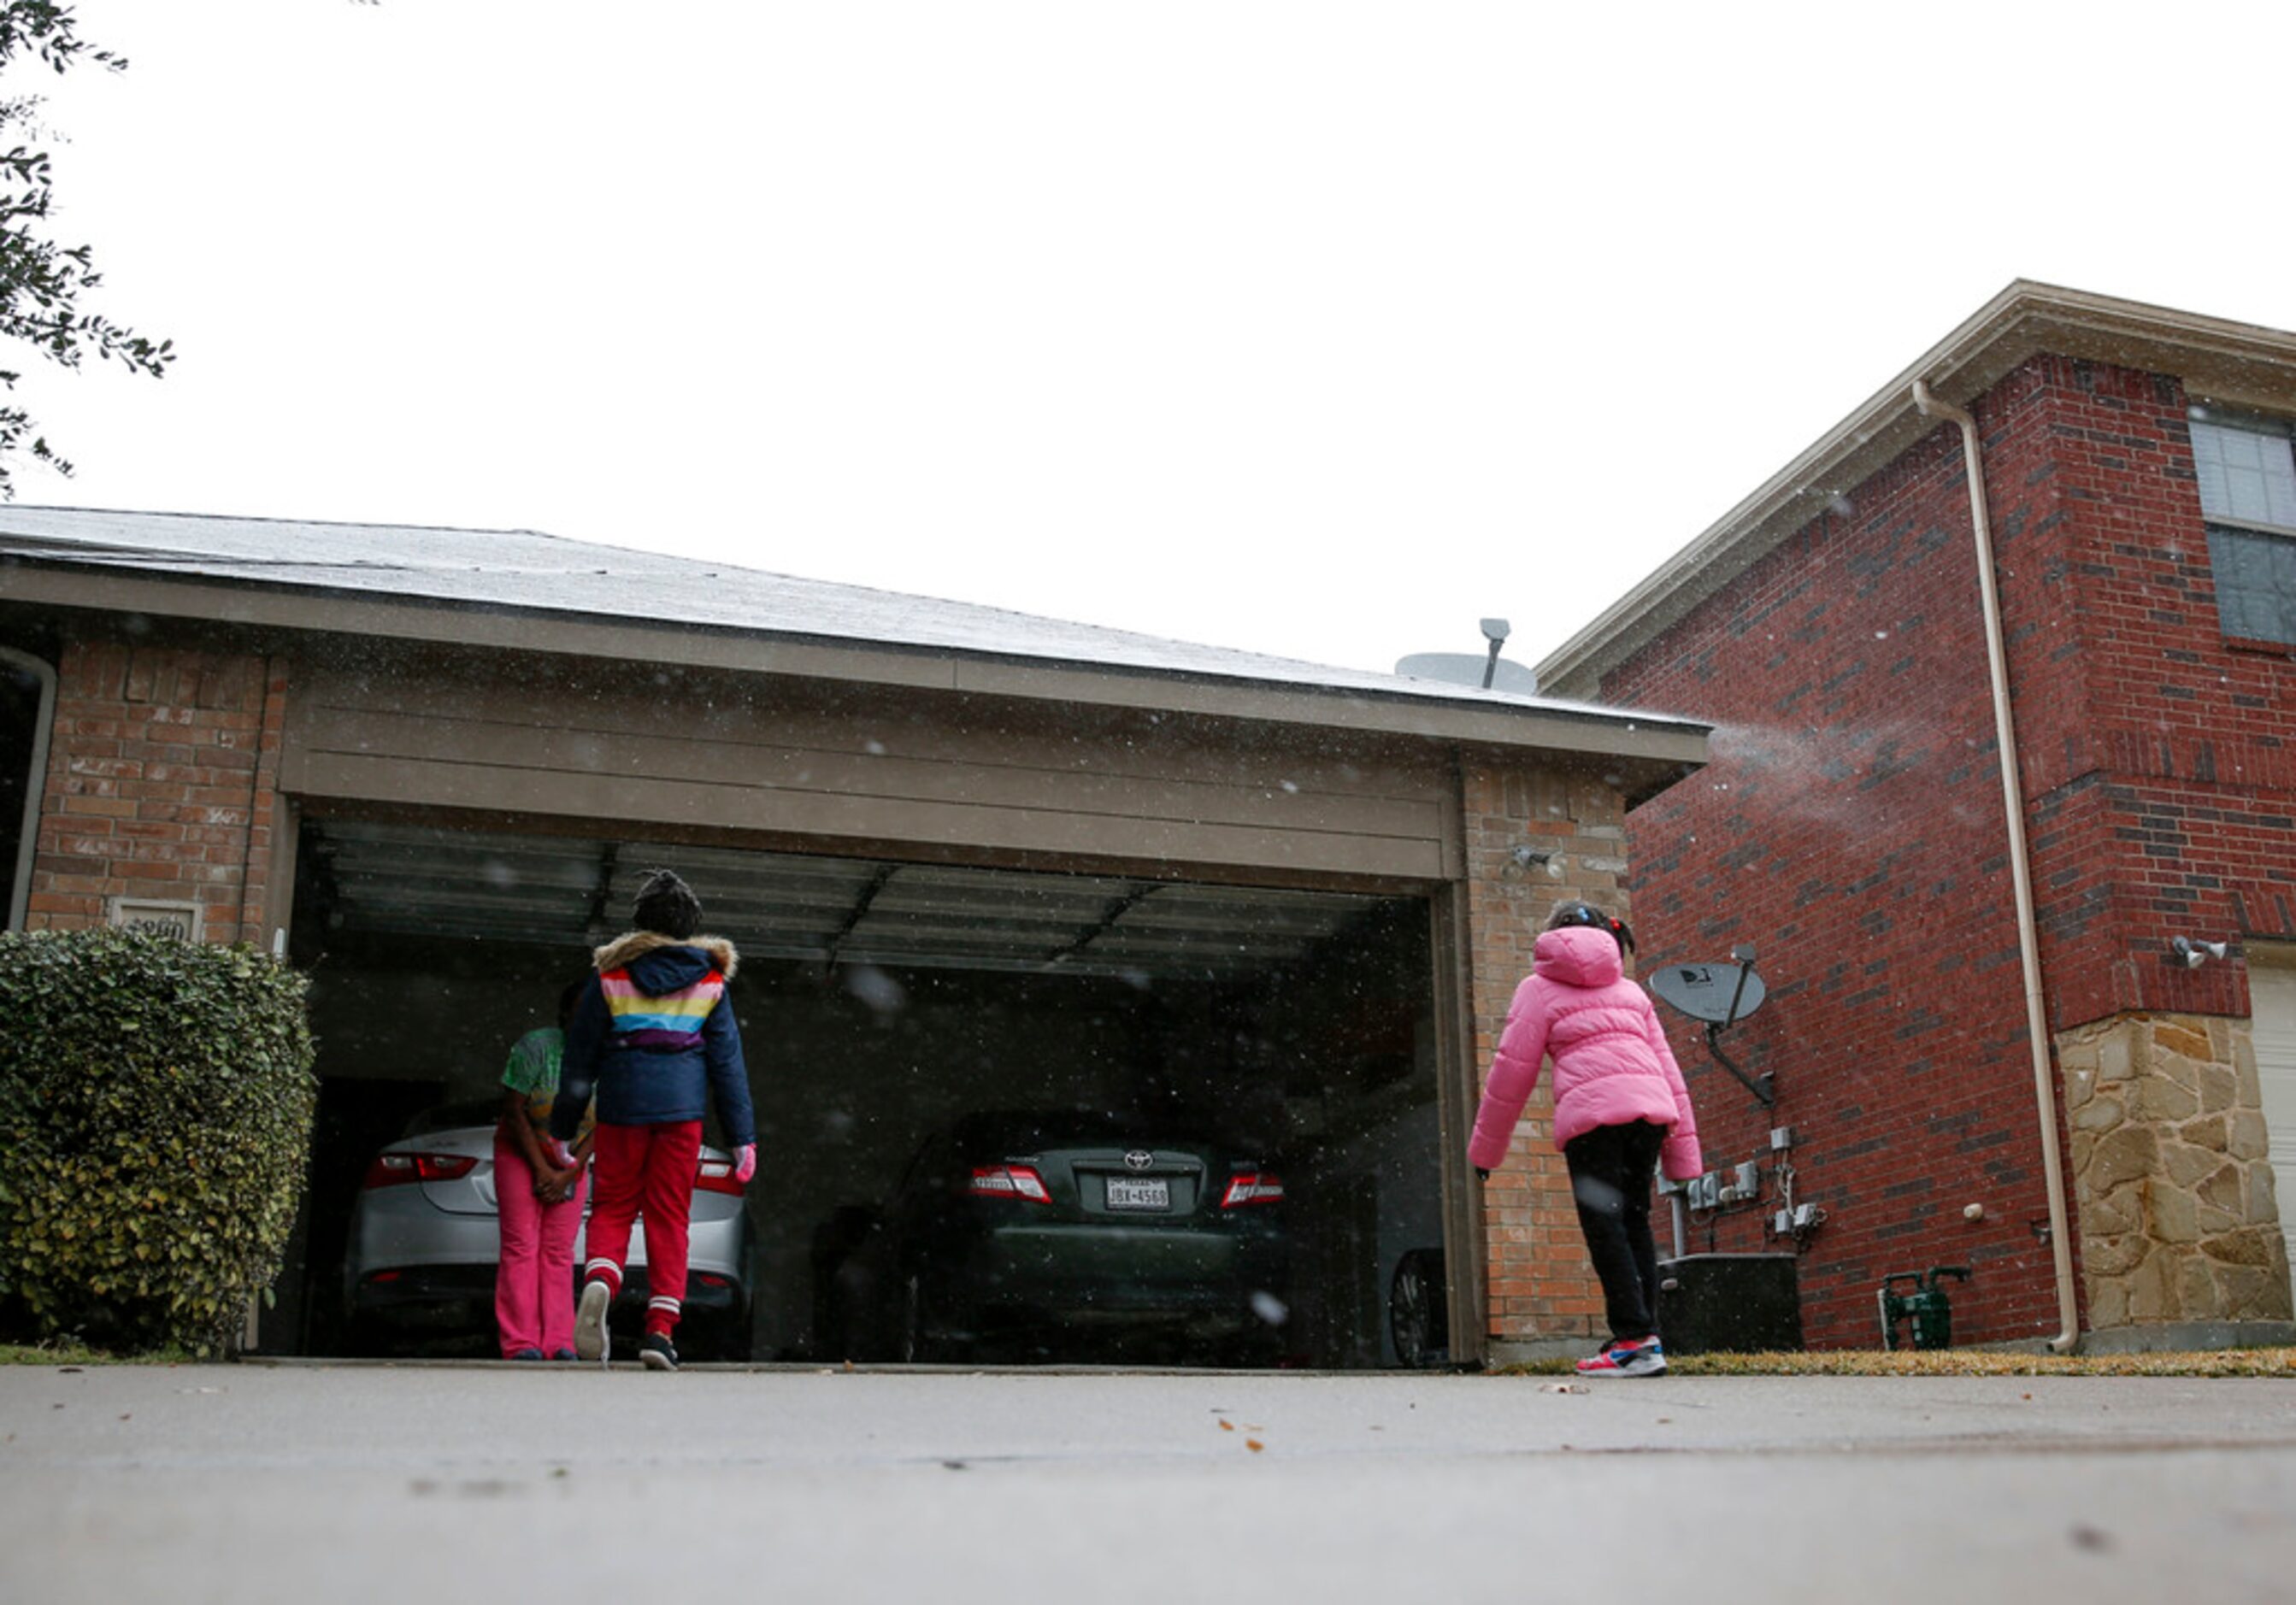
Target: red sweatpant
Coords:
[[644, 1170]]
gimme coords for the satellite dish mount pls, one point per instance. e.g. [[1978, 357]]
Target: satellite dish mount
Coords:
[[1721, 996]]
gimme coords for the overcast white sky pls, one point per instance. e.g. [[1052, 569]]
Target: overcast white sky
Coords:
[[1322, 330]]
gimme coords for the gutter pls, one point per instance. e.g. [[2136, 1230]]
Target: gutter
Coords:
[[2012, 798]]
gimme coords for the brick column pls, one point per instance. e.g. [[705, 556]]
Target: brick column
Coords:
[[1543, 1294], [162, 768]]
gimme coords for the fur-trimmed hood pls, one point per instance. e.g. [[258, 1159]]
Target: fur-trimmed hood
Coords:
[[635, 944]]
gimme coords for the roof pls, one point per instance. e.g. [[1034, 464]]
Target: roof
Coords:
[[488, 587], [2217, 360]]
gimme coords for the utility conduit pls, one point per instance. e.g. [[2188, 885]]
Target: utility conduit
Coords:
[[2013, 797]]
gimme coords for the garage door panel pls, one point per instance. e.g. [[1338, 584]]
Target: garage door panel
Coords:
[[1018, 828], [543, 756], [448, 757], [969, 735]]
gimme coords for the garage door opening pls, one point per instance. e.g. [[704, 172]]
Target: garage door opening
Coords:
[[1226, 1095]]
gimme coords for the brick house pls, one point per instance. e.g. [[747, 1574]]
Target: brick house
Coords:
[[2139, 497], [967, 854]]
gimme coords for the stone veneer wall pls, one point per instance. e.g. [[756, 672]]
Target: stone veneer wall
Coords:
[[2178, 1219]]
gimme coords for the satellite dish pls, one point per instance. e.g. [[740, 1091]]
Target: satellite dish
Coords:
[[1720, 994], [1467, 669]]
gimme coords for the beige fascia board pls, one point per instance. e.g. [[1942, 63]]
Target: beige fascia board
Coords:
[[1657, 741], [2216, 359]]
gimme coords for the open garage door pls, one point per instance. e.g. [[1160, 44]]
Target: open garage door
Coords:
[[1004, 1115]]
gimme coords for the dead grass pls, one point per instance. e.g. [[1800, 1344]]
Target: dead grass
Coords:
[[1961, 1363]]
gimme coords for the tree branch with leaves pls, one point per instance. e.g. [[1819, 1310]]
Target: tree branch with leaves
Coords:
[[42, 280]]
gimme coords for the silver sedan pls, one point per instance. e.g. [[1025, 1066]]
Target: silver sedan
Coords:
[[419, 1266]]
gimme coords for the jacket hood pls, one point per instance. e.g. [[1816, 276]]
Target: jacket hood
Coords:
[[708, 952], [1580, 955]]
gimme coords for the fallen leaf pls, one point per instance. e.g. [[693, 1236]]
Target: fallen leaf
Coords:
[[1254, 1445]]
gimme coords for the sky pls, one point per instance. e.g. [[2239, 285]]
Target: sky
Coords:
[[1320, 329]]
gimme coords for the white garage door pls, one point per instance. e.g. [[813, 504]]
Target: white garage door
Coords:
[[2272, 1004]]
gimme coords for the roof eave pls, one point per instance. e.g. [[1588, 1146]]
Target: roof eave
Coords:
[[2216, 359], [1646, 750]]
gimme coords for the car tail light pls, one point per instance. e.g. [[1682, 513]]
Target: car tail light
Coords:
[[397, 1169], [1254, 1187], [1008, 1181], [716, 1176]]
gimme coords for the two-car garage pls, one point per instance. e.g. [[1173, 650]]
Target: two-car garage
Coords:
[[1275, 989], [880, 1002], [975, 864]]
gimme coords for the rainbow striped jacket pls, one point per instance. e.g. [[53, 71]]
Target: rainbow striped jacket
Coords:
[[654, 1034]]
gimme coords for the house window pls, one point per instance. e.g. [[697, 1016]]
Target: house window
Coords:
[[28, 692], [2247, 469]]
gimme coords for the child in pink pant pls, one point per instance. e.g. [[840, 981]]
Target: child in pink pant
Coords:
[[534, 1281], [538, 1192]]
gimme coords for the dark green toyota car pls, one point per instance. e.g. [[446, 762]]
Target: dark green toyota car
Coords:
[[1057, 1236]]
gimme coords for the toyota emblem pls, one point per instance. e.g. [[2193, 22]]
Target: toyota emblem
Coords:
[[1138, 1159]]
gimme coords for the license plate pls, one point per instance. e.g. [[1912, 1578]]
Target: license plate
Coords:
[[1134, 1192]]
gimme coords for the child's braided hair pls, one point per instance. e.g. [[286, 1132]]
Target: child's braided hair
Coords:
[[1587, 913]]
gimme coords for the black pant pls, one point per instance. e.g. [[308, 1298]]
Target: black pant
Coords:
[[1610, 1169]]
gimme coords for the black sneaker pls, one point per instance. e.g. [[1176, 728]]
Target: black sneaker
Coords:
[[657, 1353]]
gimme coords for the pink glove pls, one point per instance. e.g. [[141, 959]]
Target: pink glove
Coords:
[[746, 1165]]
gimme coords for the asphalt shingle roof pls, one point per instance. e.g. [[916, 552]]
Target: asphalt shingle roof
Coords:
[[524, 571]]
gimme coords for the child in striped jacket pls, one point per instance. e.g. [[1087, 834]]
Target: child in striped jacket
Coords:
[[653, 1032]]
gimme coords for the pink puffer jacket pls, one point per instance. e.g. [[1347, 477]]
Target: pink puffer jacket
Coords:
[[1611, 1061]]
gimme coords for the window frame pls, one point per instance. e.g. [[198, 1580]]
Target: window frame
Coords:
[[2220, 526]]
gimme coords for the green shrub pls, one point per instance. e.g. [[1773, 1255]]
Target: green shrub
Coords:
[[155, 1125]]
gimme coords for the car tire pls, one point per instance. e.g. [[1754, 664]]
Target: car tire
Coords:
[[1418, 1313]]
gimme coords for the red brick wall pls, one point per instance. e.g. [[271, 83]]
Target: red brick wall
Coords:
[[1542, 1288], [1850, 829], [2186, 737], [1850, 825], [161, 779]]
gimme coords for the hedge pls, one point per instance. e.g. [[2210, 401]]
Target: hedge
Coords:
[[155, 1125]]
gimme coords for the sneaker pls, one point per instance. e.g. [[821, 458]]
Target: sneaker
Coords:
[[527, 1353], [564, 1353], [655, 1350], [1621, 1358], [590, 1339]]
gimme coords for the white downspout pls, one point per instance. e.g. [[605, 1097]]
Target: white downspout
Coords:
[[2013, 797]]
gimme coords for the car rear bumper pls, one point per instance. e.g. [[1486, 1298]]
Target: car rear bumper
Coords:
[[408, 1295], [413, 1264], [1104, 1273]]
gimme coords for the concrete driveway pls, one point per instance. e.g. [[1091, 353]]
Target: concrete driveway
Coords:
[[355, 1483]]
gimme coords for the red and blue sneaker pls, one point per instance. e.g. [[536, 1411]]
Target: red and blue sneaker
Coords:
[[1626, 1357]]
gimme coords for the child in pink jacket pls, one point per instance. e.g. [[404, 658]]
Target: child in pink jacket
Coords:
[[1619, 1107]]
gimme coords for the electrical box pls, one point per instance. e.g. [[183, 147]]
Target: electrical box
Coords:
[[1729, 1303]]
